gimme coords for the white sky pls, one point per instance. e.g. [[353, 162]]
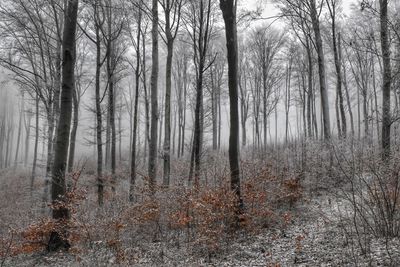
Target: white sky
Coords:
[[270, 10]]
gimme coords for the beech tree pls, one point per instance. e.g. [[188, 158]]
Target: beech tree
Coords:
[[321, 69], [387, 76], [199, 27], [58, 187], [172, 12], [332, 6], [152, 165], [228, 8]]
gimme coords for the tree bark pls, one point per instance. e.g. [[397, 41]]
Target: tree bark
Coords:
[[99, 123], [167, 123], [321, 72], [71, 154], [27, 137], [135, 112], [386, 83], [228, 8], [58, 188], [21, 112], [152, 168], [35, 150]]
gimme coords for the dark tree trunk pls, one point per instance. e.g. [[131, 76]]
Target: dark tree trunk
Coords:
[[167, 129], [152, 168], [386, 83], [111, 65], [228, 8], [146, 97], [171, 28], [321, 72], [58, 188], [111, 108], [99, 123], [338, 59], [310, 90], [135, 112]]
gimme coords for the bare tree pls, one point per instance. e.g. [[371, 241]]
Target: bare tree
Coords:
[[199, 25], [172, 12], [228, 8], [58, 187], [332, 6], [386, 84], [321, 69], [152, 167]]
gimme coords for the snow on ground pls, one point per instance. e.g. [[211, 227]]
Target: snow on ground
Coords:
[[314, 238]]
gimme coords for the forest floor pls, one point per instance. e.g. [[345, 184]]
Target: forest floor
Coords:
[[315, 237]]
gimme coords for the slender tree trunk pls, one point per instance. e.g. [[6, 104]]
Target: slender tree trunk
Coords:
[[348, 102], [2, 138], [310, 90], [167, 128], [228, 8], [111, 65], [321, 66], [375, 97], [135, 112], [99, 123], [27, 138], [108, 138], [111, 106], [21, 112], [146, 97], [50, 158], [359, 114], [154, 100], [264, 74], [338, 123], [174, 132], [9, 142], [365, 113], [35, 150], [214, 111], [197, 146], [338, 59], [219, 118], [183, 126], [71, 154], [386, 83]]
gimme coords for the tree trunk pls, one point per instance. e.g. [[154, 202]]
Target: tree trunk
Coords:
[[152, 168], [27, 136], [111, 106], [135, 112], [35, 150], [71, 154], [214, 111], [167, 128], [228, 8], [146, 97], [99, 123], [21, 112], [310, 90], [58, 188], [338, 56], [321, 72], [386, 83], [348, 101]]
